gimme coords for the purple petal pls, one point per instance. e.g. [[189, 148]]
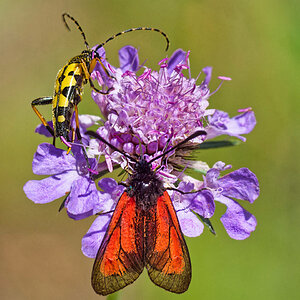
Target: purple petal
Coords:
[[221, 166], [207, 71], [152, 147], [212, 176], [110, 195], [108, 185], [100, 51], [190, 225], [203, 204], [92, 240], [129, 59], [49, 160], [51, 188], [225, 78], [83, 200], [79, 216], [177, 57], [140, 149], [163, 139], [41, 129], [87, 121], [240, 184], [238, 222], [186, 186], [220, 123], [81, 164], [123, 118], [129, 148]]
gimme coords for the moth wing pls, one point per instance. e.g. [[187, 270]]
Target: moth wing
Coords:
[[119, 260], [167, 261]]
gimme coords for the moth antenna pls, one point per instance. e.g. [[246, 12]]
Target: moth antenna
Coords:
[[192, 136], [100, 138]]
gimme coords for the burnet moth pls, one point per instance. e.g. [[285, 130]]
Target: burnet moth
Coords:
[[144, 232]]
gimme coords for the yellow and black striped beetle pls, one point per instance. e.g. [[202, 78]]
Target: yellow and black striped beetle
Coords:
[[69, 86]]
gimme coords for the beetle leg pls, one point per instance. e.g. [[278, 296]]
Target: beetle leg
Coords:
[[42, 101]]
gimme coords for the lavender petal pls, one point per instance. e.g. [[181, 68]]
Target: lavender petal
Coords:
[[51, 188], [207, 71], [220, 123], [240, 184], [41, 129], [92, 240], [203, 204], [83, 200], [190, 225], [238, 222], [49, 160], [129, 59], [177, 57]]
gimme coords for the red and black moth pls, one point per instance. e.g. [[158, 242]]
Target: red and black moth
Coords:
[[144, 232]]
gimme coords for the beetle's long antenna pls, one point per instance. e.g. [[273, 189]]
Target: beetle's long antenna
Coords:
[[134, 29], [78, 26]]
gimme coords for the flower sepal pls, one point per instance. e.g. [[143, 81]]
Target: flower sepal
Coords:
[[206, 222], [217, 144]]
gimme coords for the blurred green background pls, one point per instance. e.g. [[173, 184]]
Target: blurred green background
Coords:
[[256, 43]]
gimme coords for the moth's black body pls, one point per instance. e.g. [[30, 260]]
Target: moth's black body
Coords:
[[144, 185]]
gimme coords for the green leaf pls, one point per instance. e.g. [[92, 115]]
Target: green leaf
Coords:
[[122, 172], [206, 222], [217, 144], [195, 173]]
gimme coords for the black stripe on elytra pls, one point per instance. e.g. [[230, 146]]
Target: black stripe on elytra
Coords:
[[68, 91], [61, 78]]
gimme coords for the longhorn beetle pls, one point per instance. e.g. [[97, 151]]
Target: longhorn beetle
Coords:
[[69, 86]]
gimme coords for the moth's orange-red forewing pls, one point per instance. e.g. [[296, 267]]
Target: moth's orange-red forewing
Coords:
[[168, 262], [119, 260]]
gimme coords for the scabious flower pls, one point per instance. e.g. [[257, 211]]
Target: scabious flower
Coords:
[[241, 184], [146, 113], [69, 177]]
